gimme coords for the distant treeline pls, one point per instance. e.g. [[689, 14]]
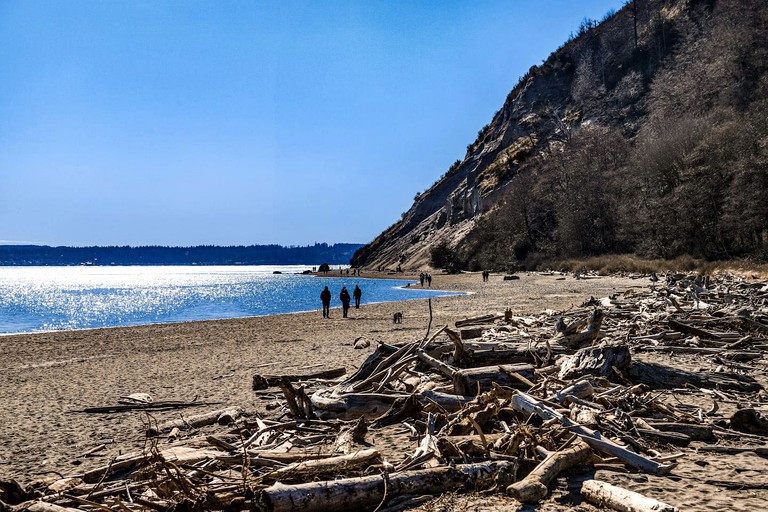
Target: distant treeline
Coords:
[[334, 254]]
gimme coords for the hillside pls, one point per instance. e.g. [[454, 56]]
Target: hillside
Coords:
[[26, 255], [646, 132]]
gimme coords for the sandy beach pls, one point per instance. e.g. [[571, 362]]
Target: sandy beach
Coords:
[[46, 377]]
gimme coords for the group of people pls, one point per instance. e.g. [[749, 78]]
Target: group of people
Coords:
[[344, 297], [425, 277]]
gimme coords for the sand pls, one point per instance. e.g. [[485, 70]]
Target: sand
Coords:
[[45, 377]]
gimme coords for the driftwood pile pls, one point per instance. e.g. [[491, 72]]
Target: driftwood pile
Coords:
[[500, 403]]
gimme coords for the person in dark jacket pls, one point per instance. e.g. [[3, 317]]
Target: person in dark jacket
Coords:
[[325, 298], [357, 293], [345, 298]]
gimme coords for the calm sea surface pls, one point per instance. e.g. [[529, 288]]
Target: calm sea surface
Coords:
[[60, 298]]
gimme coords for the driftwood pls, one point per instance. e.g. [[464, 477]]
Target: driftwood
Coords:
[[368, 491], [587, 336], [616, 498], [267, 381], [314, 468], [533, 488], [599, 360], [663, 377], [525, 403], [473, 381], [220, 416], [481, 319], [351, 405]]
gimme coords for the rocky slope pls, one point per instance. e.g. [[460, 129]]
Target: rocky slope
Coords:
[[611, 75]]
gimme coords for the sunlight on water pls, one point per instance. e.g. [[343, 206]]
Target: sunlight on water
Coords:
[[61, 298]]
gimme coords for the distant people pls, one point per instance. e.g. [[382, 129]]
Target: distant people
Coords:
[[345, 298], [357, 293], [422, 276], [486, 275], [429, 280], [325, 298]]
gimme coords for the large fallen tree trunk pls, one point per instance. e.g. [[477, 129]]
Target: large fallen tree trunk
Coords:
[[367, 491], [604, 494]]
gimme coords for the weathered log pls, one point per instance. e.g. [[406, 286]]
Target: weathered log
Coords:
[[695, 432], [579, 389], [533, 488], [438, 365], [693, 331], [317, 468], [267, 381], [599, 360], [589, 335], [663, 377], [351, 405], [352, 439], [472, 381], [220, 416], [180, 454], [526, 403], [673, 438], [604, 494], [367, 491], [481, 319], [42, 506]]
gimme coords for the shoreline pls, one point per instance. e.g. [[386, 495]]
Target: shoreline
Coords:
[[316, 275], [50, 375]]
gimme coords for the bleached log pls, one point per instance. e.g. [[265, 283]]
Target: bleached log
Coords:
[[481, 319], [351, 405], [526, 403], [42, 506], [472, 381], [616, 498], [324, 467], [221, 416], [367, 491], [533, 488], [266, 381]]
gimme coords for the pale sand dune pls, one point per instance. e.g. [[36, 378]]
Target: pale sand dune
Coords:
[[47, 376]]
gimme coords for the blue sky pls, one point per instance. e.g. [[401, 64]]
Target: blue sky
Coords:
[[248, 122]]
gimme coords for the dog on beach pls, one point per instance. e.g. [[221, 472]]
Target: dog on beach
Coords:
[[397, 318]]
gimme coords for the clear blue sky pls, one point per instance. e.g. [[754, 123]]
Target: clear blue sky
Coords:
[[247, 122]]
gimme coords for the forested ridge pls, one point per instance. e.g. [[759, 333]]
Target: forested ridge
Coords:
[[316, 254], [645, 133]]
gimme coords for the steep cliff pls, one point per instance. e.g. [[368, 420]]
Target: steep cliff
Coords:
[[594, 102]]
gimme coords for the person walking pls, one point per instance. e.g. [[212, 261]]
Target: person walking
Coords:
[[345, 298], [325, 298], [421, 279], [357, 293], [429, 280]]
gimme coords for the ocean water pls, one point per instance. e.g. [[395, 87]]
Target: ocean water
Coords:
[[34, 299]]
